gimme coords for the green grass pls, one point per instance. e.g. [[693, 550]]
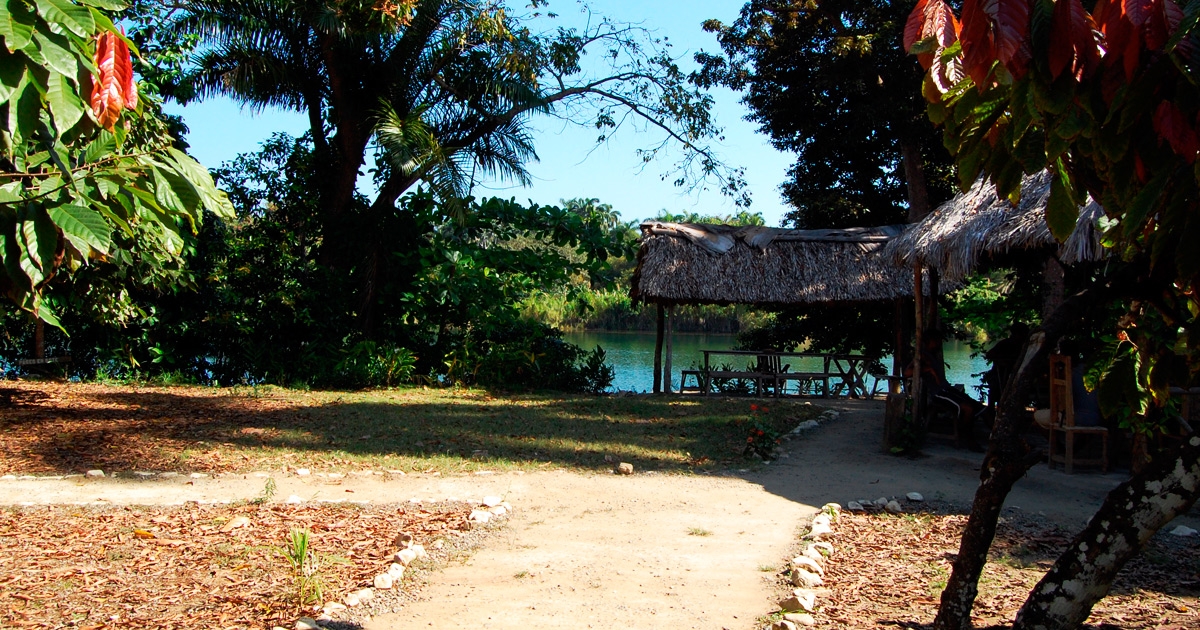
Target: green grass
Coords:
[[698, 531]]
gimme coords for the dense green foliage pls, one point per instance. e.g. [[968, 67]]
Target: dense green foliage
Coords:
[[830, 82], [264, 310], [85, 180]]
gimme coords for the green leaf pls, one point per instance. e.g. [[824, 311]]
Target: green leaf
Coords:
[[16, 24], [1145, 201], [12, 69], [215, 200], [107, 5], [84, 227], [23, 120], [1062, 212], [64, 101], [39, 243], [10, 255], [103, 146], [75, 18], [59, 54]]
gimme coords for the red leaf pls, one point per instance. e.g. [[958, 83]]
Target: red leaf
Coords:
[[995, 30], [1072, 40], [914, 25], [1164, 18], [931, 18], [113, 88], [1171, 125]]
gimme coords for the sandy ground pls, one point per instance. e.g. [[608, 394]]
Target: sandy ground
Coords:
[[647, 551]]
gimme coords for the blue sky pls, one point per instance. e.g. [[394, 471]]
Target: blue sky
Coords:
[[571, 164]]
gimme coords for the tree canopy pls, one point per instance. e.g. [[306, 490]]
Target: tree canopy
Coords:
[[830, 82]]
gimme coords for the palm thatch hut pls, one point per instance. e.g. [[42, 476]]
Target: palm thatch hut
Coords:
[[684, 264], [977, 225]]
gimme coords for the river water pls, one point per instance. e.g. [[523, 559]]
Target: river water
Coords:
[[632, 356]]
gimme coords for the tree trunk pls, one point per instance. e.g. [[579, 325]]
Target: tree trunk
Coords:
[[1131, 514], [1007, 460], [914, 180]]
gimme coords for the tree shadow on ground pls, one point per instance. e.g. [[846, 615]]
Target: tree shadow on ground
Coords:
[[69, 430]]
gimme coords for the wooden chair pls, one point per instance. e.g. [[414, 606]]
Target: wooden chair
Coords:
[[1062, 420]]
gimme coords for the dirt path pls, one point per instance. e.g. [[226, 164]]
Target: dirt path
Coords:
[[647, 551]]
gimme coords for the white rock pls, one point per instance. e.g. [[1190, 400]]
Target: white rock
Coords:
[[492, 501], [197, 475], [406, 556], [807, 425], [807, 563], [819, 529], [295, 498], [800, 619], [805, 578], [812, 552], [303, 472], [1183, 530], [168, 475], [142, 474], [95, 473], [854, 506], [915, 497], [9, 477], [831, 507], [352, 599], [333, 607], [893, 507], [365, 594], [331, 475], [420, 549], [396, 571], [499, 510], [624, 469], [480, 516], [383, 581], [822, 518], [800, 599], [823, 548], [881, 502], [307, 623]]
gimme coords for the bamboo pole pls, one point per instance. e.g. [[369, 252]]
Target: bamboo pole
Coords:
[[658, 348]]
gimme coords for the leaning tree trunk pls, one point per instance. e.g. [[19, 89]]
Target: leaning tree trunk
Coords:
[[1008, 459], [1129, 517]]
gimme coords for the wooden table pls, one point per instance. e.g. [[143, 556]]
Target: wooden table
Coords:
[[848, 371]]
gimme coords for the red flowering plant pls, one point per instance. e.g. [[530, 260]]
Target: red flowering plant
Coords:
[[761, 436]]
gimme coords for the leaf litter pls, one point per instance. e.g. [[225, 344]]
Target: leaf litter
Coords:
[[889, 571], [183, 567]]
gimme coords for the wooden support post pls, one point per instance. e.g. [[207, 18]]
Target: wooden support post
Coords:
[[918, 350], [670, 334], [898, 349], [39, 339], [658, 348]]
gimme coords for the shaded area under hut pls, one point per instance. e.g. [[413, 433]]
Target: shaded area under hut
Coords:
[[978, 228], [689, 264]]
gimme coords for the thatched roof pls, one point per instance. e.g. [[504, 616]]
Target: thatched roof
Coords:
[[977, 225], [683, 263]]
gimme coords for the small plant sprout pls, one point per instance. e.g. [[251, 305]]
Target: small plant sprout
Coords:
[[306, 567], [698, 531], [267, 494]]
